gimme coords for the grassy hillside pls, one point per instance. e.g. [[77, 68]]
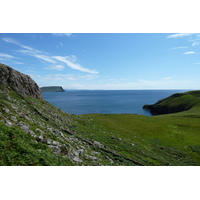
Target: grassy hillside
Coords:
[[33, 132], [175, 103]]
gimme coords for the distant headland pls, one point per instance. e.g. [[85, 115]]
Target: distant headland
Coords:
[[52, 89]]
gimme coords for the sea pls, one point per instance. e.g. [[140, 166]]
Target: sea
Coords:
[[106, 101]]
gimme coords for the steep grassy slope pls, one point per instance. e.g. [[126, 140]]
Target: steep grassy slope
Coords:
[[48, 136]]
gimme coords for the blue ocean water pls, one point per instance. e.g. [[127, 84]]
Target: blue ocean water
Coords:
[[106, 101]]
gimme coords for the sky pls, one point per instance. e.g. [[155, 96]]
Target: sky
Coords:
[[107, 61]]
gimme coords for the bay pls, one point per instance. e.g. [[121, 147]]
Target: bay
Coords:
[[106, 101]]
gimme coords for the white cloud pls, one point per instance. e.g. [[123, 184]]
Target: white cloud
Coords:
[[43, 57], [180, 35], [62, 34], [10, 40], [6, 55], [195, 43], [70, 62], [37, 55], [189, 52], [19, 63], [57, 67], [179, 48]]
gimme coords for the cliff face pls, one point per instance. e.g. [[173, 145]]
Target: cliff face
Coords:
[[19, 82]]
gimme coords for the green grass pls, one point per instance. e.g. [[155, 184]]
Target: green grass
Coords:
[[19, 148], [170, 139]]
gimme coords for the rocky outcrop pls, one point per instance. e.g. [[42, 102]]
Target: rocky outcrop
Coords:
[[21, 83]]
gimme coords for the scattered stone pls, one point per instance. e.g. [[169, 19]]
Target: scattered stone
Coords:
[[6, 110], [93, 158], [24, 126], [98, 144], [7, 122], [78, 152], [77, 159], [13, 118], [55, 149], [55, 143]]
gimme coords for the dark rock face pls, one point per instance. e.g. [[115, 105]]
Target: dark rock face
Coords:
[[21, 83]]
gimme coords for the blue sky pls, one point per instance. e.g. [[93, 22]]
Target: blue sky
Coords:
[[121, 61]]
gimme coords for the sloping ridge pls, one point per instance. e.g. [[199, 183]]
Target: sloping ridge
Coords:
[[175, 103]]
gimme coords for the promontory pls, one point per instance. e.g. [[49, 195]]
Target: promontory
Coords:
[[52, 89]]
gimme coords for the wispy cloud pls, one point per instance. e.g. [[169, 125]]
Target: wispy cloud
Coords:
[[19, 63], [174, 48], [195, 43], [180, 35], [37, 55], [6, 55], [190, 52], [9, 40], [70, 62], [43, 57], [56, 67], [62, 34]]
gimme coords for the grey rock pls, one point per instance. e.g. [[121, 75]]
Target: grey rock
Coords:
[[98, 144], [77, 159], [7, 122], [13, 118], [24, 127], [6, 110], [55, 149], [93, 158], [21, 83], [55, 143], [78, 152]]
